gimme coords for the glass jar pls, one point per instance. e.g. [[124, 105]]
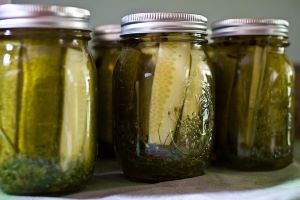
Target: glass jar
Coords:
[[106, 48], [47, 106], [163, 97], [254, 93]]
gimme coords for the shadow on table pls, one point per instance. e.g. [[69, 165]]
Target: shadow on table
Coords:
[[113, 182]]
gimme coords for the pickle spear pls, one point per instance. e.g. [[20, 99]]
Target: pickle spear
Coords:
[[258, 71], [105, 75], [9, 76], [191, 106], [168, 90], [40, 110], [276, 109], [75, 110], [226, 62]]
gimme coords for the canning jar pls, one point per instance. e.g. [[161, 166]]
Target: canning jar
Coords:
[[163, 97], [47, 107], [106, 47], [254, 93]]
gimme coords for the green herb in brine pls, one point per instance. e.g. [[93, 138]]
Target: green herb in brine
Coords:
[[31, 175]]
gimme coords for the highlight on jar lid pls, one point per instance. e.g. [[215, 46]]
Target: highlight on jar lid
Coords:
[[43, 16], [158, 22], [109, 32], [250, 26]]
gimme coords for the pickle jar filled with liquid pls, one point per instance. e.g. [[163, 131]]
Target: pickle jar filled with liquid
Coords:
[[254, 93], [106, 48], [163, 97], [47, 99]]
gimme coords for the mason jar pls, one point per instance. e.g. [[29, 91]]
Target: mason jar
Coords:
[[163, 97], [106, 48], [254, 93], [47, 106]]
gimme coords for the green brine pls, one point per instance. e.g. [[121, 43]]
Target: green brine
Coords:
[[163, 97], [47, 106], [254, 93]]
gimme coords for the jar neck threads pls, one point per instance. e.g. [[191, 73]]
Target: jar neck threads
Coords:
[[264, 40], [45, 33], [164, 37]]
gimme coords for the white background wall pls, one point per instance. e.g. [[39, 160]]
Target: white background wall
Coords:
[[110, 11]]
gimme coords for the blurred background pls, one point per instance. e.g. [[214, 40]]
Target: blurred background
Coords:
[[110, 11]]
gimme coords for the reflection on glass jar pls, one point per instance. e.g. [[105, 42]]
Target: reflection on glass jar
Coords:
[[254, 93], [163, 98], [47, 106], [106, 49]]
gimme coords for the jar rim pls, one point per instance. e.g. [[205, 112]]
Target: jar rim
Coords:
[[43, 16], [108, 32], [250, 26], [159, 22]]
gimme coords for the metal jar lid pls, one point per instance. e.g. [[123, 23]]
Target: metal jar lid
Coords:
[[250, 26], [43, 16], [159, 22], [110, 32]]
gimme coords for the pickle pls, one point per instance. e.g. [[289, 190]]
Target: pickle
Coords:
[[276, 104], [258, 70], [75, 110], [41, 96], [144, 82], [191, 106], [105, 73], [225, 62], [246, 95], [168, 90], [9, 84], [195, 125], [245, 98], [124, 77]]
